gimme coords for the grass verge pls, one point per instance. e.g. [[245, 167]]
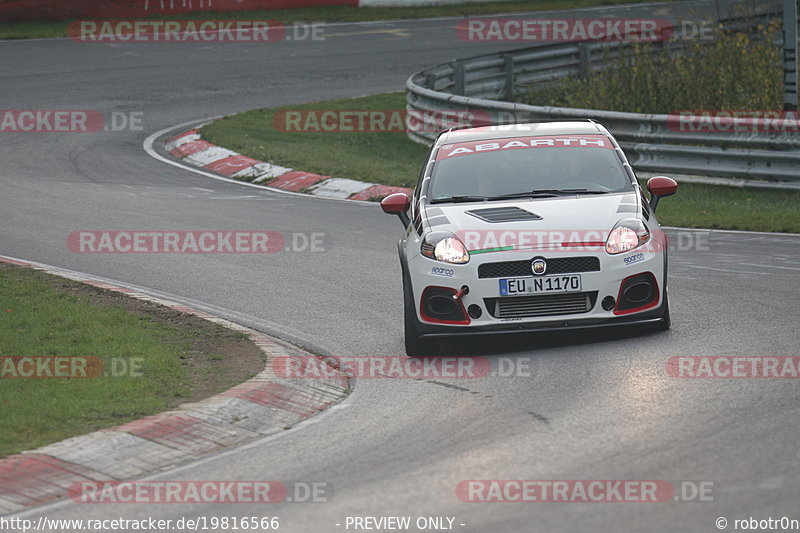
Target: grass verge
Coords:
[[393, 159], [377, 157], [154, 358], [43, 29], [716, 207]]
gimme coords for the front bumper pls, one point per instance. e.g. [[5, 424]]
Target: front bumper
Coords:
[[597, 284], [638, 319]]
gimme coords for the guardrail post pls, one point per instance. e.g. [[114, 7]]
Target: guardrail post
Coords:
[[430, 81], [458, 79], [510, 77], [584, 58], [790, 23]]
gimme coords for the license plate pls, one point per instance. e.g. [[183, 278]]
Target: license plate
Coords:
[[546, 284]]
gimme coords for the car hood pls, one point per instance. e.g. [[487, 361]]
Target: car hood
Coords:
[[534, 223]]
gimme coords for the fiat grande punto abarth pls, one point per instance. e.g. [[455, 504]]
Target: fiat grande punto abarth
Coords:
[[529, 227]]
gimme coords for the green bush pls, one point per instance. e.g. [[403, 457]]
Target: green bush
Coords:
[[737, 71]]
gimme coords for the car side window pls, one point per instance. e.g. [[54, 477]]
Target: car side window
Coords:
[[416, 211]]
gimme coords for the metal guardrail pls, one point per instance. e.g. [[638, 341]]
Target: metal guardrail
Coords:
[[654, 143]]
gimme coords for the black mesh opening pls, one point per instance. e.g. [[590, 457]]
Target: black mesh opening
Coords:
[[558, 265]]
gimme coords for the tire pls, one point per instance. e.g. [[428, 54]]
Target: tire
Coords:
[[415, 345]]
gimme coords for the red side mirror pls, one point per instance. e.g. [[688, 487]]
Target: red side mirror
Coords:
[[396, 203], [662, 186]]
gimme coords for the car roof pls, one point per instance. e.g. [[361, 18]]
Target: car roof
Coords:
[[527, 129]]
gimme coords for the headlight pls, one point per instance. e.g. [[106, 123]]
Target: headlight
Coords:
[[627, 235], [444, 246]]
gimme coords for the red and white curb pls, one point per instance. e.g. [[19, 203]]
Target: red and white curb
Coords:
[[260, 406], [190, 149]]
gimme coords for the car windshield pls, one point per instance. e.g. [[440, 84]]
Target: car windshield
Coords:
[[479, 170]]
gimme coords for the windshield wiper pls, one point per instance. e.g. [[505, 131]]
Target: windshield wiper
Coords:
[[546, 193], [583, 191], [455, 199], [540, 193], [536, 193]]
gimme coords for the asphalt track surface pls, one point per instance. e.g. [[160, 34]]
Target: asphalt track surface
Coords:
[[594, 405]]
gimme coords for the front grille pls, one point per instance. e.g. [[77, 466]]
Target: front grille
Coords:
[[541, 305], [559, 265], [503, 214]]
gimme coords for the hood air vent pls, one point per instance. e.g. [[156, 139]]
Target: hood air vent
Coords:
[[497, 215]]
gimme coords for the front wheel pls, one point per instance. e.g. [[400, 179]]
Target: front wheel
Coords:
[[415, 345]]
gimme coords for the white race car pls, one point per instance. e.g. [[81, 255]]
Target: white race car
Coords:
[[529, 227]]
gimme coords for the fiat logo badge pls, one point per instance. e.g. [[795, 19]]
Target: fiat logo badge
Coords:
[[539, 266]]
